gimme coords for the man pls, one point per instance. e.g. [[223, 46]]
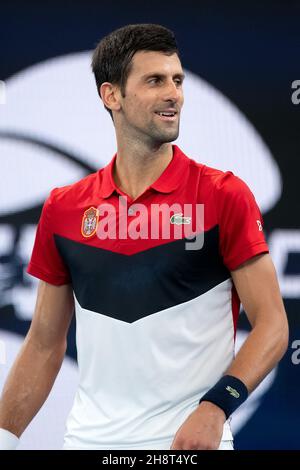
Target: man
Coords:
[[156, 318]]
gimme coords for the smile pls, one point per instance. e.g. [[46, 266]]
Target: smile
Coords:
[[167, 115]]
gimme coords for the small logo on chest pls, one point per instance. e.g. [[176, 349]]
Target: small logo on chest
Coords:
[[89, 222], [178, 219]]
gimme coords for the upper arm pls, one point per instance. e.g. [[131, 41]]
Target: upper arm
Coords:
[[257, 286], [53, 313], [46, 263], [240, 222]]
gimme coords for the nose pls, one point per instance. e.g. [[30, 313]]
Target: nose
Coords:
[[172, 92]]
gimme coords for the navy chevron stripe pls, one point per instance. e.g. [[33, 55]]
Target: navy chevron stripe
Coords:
[[129, 288]]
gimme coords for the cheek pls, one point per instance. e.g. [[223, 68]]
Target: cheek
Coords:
[[139, 108], [181, 99], [135, 104]]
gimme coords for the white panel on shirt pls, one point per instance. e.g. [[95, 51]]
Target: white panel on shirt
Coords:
[[139, 381]]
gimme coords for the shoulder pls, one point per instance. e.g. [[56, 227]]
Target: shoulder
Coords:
[[74, 194], [217, 183], [211, 177], [225, 184]]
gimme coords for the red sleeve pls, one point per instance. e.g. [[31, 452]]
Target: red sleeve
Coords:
[[240, 222], [46, 262]]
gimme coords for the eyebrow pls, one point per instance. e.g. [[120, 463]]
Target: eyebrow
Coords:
[[161, 75]]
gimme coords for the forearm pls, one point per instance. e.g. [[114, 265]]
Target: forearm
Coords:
[[263, 348], [28, 384], [259, 354]]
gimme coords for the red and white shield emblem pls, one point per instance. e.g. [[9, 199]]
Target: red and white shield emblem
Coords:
[[90, 222]]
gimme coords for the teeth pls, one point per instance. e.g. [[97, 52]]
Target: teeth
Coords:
[[167, 114]]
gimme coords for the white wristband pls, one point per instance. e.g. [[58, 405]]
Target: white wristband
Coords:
[[8, 440]]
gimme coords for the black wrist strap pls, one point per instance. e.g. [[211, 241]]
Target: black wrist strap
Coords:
[[229, 393]]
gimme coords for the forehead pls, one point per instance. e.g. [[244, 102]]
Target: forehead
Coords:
[[144, 62]]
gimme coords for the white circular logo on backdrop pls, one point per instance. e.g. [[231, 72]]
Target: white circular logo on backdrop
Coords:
[[56, 102]]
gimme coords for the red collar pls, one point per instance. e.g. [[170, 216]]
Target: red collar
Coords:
[[167, 182]]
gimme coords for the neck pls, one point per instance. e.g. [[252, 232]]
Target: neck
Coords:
[[138, 166]]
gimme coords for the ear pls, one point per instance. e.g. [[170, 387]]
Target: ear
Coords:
[[110, 95]]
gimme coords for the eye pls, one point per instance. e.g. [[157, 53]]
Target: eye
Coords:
[[178, 81], [154, 80]]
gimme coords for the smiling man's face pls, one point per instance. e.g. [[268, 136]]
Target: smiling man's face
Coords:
[[153, 97]]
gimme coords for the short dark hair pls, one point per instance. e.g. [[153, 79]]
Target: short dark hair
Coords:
[[112, 57]]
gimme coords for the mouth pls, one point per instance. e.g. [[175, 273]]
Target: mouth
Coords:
[[170, 116]]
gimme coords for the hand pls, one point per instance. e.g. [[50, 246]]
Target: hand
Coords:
[[202, 429]]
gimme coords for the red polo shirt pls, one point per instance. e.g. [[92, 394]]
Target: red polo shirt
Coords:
[[155, 319]]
